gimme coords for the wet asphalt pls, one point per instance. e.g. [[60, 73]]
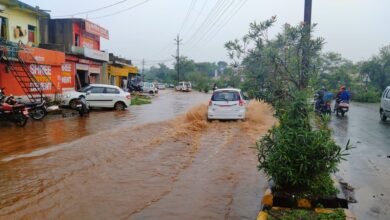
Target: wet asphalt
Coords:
[[367, 167]]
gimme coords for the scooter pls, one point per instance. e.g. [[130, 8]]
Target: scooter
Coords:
[[342, 107]]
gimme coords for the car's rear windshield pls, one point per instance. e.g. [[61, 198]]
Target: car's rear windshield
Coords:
[[225, 96]]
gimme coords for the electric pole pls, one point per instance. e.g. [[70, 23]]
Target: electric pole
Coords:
[[178, 43], [143, 70], [307, 17], [305, 53]]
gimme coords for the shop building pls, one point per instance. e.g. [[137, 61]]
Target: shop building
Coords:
[[26, 70], [84, 63], [120, 71]]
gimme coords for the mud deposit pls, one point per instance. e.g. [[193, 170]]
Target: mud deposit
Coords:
[[185, 168]]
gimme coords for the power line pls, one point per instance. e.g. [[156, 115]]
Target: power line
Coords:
[[224, 10], [231, 15], [121, 11], [90, 11], [216, 6], [189, 12], [200, 12]]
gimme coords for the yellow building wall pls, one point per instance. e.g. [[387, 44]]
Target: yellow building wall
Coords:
[[17, 17]]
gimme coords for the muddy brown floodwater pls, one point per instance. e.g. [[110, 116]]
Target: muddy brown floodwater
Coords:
[[182, 168]]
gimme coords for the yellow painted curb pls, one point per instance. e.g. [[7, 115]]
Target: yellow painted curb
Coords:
[[349, 215], [304, 203], [323, 211], [262, 216], [268, 198]]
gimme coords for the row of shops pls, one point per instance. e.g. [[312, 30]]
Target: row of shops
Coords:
[[66, 52]]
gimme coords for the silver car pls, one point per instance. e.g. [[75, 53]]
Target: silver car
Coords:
[[384, 110]]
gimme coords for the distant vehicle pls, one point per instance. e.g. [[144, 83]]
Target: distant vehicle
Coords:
[[171, 86], [384, 110], [184, 87], [148, 87], [227, 103], [161, 86], [100, 96]]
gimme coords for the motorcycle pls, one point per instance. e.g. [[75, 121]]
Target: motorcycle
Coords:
[[322, 107], [82, 105], [134, 88], [342, 107], [11, 111]]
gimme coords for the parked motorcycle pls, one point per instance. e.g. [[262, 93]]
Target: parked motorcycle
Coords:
[[82, 105], [342, 107], [134, 88], [11, 111]]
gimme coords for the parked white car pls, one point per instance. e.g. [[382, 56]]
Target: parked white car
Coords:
[[99, 96], [384, 110], [227, 103], [148, 87], [184, 87], [161, 86]]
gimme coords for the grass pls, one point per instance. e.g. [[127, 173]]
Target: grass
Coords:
[[140, 100], [303, 214]]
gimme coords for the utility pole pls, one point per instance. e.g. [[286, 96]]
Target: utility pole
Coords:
[[178, 43], [305, 53], [307, 17], [143, 70]]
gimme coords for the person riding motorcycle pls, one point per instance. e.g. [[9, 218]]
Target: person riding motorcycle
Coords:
[[342, 96], [323, 99]]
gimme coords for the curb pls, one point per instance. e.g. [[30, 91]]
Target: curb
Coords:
[[284, 202]]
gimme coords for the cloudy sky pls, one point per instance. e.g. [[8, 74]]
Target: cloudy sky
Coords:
[[145, 29]]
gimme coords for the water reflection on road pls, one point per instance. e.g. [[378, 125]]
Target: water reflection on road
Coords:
[[367, 168]]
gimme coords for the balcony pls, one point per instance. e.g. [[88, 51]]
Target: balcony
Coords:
[[91, 53]]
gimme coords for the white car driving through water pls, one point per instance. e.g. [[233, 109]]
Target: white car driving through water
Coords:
[[227, 103]]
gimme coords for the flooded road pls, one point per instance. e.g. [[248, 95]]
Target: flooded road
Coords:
[[367, 168], [40, 134], [181, 168]]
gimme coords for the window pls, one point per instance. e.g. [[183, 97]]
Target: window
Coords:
[[95, 90], [112, 91], [76, 40], [31, 34], [3, 27], [388, 94], [225, 96]]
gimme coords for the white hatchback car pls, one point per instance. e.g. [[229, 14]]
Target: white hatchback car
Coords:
[[100, 96], [384, 110], [227, 104]]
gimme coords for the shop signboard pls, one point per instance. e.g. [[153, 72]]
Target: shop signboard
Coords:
[[96, 29]]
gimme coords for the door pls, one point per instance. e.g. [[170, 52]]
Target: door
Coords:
[[225, 103], [386, 100], [96, 97], [111, 95]]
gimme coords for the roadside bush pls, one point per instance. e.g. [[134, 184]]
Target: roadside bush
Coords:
[[296, 156], [370, 95]]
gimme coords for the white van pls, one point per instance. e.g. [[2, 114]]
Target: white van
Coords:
[[184, 87], [384, 110]]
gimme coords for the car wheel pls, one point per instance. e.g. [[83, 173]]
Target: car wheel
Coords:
[[383, 116], [73, 104], [119, 106]]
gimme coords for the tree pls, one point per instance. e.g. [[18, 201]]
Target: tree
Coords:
[[273, 67]]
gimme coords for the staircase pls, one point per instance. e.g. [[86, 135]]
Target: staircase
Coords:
[[16, 58]]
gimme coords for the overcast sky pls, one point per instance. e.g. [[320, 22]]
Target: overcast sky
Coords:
[[354, 28]]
